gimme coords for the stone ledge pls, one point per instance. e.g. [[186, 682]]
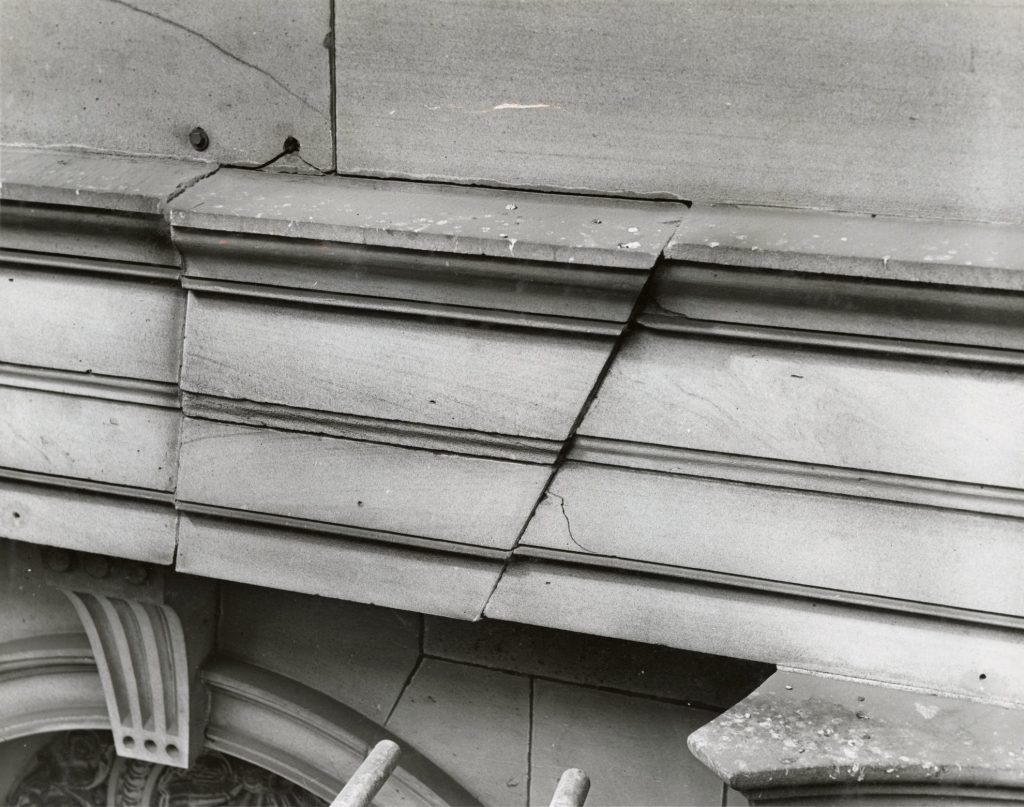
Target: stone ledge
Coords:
[[442, 218], [89, 179], [884, 248], [806, 732]]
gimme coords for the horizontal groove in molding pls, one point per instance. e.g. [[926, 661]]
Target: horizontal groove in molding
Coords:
[[119, 326], [920, 312], [87, 233], [87, 486], [508, 319], [831, 636], [898, 249], [475, 501], [962, 560], [118, 442], [961, 354], [573, 290], [90, 385], [800, 476], [88, 519], [432, 217], [809, 404], [239, 518], [62, 649], [387, 575], [775, 587], [497, 380], [375, 430], [70, 263]]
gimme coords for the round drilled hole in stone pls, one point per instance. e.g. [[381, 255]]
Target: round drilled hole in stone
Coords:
[[128, 741], [150, 746], [172, 750]]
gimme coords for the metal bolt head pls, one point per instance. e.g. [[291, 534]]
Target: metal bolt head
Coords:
[[199, 139]]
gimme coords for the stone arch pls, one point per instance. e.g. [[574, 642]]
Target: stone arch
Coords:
[[51, 683]]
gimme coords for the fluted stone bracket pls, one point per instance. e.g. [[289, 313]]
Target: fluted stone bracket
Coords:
[[149, 631], [801, 739]]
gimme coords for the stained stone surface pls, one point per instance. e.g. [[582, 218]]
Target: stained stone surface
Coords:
[[360, 655], [595, 660], [469, 221], [136, 77], [800, 730]]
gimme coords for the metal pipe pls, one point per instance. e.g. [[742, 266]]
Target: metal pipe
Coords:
[[369, 777], [572, 789]]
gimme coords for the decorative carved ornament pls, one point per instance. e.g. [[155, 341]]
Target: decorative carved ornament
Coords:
[[81, 768], [140, 653], [149, 633]]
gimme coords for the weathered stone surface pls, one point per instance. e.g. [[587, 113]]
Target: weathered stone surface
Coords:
[[84, 322], [121, 442], [359, 655], [931, 319], [413, 369], [632, 748], [474, 723], [138, 77], [838, 542], [29, 606], [876, 412], [469, 221], [799, 730], [88, 522], [907, 110], [356, 483], [83, 179], [806, 628], [411, 578], [884, 248], [595, 660]]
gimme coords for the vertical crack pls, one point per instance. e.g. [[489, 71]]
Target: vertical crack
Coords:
[[568, 524], [332, 52]]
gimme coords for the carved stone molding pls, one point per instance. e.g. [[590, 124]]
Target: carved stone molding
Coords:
[[51, 684], [91, 205], [802, 739], [80, 767]]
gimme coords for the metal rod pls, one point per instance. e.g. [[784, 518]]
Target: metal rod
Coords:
[[572, 789], [369, 777]]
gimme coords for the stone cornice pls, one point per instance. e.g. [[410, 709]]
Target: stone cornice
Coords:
[[396, 399], [546, 228], [430, 217]]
